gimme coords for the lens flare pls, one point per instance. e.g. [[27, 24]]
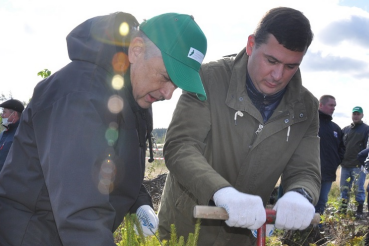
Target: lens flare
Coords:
[[105, 188], [107, 177], [111, 135], [117, 82], [124, 29], [115, 104], [120, 62]]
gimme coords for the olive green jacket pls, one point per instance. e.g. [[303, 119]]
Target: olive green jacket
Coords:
[[208, 147]]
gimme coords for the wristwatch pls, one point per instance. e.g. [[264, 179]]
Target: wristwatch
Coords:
[[304, 193]]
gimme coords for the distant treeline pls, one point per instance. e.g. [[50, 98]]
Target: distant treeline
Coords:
[[159, 134]]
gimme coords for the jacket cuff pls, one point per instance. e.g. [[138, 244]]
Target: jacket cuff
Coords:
[[304, 193]]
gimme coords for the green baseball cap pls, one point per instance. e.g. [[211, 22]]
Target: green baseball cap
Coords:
[[357, 109], [183, 47]]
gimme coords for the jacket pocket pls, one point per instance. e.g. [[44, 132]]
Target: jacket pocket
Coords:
[[185, 202]]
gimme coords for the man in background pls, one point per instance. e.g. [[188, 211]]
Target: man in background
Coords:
[[355, 138], [332, 149], [12, 111], [363, 157]]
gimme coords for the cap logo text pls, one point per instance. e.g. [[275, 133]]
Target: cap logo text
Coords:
[[196, 55]]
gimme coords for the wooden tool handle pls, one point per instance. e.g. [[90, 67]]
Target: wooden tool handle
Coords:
[[210, 212], [218, 213]]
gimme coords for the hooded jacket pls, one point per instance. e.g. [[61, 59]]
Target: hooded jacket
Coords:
[[78, 160], [332, 148], [6, 140], [227, 144]]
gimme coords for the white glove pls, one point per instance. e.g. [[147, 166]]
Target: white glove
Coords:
[[294, 211], [244, 210], [148, 219]]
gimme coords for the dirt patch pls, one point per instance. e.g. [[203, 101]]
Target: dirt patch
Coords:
[[155, 188]]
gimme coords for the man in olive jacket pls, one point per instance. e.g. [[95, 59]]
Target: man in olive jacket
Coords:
[[257, 124]]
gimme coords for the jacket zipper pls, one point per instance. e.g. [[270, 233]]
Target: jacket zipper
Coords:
[[261, 126]]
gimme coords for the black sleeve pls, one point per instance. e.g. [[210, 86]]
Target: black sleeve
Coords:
[[143, 198], [341, 146], [363, 155]]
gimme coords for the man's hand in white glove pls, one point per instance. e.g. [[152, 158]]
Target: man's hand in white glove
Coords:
[[294, 212], [148, 219], [244, 210]]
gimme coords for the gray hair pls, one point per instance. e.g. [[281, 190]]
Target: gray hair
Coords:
[[151, 49]]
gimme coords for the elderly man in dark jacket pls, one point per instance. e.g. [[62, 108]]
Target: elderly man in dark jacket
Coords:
[[78, 159], [12, 111], [332, 148]]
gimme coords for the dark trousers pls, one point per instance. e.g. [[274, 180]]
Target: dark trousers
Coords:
[[325, 187]]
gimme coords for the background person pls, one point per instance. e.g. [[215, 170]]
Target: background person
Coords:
[[258, 123], [355, 139], [12, 111], [332, 149], [363, 157], [78, 158]]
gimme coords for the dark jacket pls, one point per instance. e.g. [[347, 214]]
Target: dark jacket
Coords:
[[76, 166], [215, 150], [355, 138], [363, 155], [332, 148], [6, 141]]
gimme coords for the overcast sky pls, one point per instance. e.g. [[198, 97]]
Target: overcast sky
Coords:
[[33, 36]]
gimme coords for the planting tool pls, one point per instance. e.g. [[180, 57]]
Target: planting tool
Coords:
[[218, 213]]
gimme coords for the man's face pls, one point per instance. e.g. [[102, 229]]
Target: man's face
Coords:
[[357, 117], [271, 66], [10, 114], [149, 78], [328, 107]]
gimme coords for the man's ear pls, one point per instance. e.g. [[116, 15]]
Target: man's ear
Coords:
[[136, 49], [250, 44], [16, 116]]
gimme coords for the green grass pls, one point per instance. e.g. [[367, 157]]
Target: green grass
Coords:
[[126, 235]]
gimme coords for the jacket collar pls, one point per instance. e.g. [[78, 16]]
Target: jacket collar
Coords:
[[238, 99], [324, 116], [353, 125], [12, 126]]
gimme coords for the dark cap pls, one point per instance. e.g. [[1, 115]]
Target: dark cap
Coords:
[[13, 104]]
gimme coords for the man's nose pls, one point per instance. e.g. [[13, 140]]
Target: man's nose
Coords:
[[277, 72], [167, 90]]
